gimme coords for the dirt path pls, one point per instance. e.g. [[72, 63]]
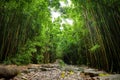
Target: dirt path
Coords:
[[57, 72]]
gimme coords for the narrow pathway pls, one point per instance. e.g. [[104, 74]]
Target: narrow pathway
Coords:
[[67, 72]]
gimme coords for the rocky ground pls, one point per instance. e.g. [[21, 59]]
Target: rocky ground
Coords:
[[57, 72]]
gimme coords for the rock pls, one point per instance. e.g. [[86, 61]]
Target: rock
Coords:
[[7, 73], [69, 68], [91, 74], [43, 69], [25, 71], [81, 69]]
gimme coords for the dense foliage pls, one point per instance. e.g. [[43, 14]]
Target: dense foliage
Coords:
[[28, 33]]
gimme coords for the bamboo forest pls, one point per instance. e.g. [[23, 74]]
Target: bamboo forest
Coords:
[[59, 39]]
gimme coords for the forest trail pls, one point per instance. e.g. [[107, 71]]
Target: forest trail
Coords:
[[58, 72], [77, 31]]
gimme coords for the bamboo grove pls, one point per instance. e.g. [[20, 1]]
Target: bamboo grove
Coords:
[[28, 35], [102, 20]]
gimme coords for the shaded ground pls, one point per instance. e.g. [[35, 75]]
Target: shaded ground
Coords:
[[58, 72]]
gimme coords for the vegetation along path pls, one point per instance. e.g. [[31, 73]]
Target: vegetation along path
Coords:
[[78, 32]]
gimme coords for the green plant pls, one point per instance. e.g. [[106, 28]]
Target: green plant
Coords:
[[39, 58], [94, 48]]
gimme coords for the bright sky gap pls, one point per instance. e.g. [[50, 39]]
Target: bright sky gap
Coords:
[[55, 14]]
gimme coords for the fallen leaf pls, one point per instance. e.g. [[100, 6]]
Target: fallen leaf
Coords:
[[103, 74], [71, 72], [63, 74]]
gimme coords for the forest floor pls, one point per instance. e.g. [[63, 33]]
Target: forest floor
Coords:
[[58, 72]]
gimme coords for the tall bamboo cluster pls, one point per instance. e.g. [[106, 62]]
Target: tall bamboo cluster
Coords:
[[103, 22], [102, 43], [22, 24], [15, 27]]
